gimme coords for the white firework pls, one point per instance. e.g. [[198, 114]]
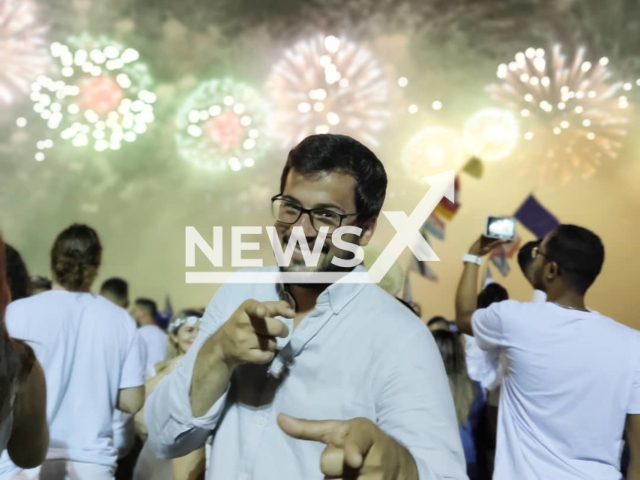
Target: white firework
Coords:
[[328, 84], [433, 150], [23, 48], [572, 110], [491, 134]]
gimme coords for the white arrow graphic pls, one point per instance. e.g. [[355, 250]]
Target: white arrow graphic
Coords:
[[408, 228]]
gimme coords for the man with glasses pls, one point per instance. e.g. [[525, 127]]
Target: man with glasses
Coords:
[[573, 376], [311, 381]]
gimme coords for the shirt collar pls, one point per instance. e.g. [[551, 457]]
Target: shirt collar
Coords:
[[336, 295]]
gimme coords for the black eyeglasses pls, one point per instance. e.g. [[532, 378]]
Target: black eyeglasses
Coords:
[[535, 251], [288, 212]]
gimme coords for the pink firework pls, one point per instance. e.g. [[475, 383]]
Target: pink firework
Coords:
[[226, 130], [100, 94], [23, 48]]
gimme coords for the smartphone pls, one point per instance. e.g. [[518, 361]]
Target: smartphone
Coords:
[[503, 228]]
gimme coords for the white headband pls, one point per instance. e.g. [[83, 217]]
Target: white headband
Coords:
[[178, 322]]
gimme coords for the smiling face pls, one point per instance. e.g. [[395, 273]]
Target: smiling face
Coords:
[[330, 191], [185, 336]]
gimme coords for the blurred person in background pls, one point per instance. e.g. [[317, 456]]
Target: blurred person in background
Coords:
[[144, 312], [17, 274], [438, 323], [182, 333], [117, 290], [573, 381], [484, 367], [487, 368], [91, 358], [24, 434], [468, 399], [40, 284]]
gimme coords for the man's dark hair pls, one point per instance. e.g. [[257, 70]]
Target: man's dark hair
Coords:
[[438, 319], [17, 274], [339, 153], [150, 305], [492, 293], [117, 287], [40, 282], [579, 254], [525, 254], [75, 257]]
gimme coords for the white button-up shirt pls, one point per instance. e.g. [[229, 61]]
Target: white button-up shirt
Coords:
[[359, 353]]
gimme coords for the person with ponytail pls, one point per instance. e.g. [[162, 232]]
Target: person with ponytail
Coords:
[[24, 434], [92, 362]]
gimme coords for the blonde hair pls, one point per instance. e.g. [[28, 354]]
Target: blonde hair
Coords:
[[172, 348], [463, 389], [464, 392]]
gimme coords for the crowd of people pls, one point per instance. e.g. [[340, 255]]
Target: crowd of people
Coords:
[[315, 380]]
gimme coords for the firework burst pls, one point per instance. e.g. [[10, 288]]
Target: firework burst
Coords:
[[491, 134], [222, 125], [573, 110], [329, 84], [433, 150], [100, 97], [23, 48]]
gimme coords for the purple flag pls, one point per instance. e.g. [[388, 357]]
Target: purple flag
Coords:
[[536, 218], [164, 317]]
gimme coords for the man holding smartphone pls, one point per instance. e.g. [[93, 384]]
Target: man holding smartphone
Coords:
[[573, 380], [357, 368]]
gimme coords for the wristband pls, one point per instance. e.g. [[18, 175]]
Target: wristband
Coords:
[[468, 258]]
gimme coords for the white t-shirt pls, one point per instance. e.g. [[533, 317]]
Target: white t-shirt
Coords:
[[155, 341], [571, 379], [487, 367], [89, 349]]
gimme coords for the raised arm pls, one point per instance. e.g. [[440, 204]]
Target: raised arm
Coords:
[[467, 293]]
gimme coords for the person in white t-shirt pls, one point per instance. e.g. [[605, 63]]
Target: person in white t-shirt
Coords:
[[90, 353], [116, 290], [145, 312], [485, 366], [573, 375]]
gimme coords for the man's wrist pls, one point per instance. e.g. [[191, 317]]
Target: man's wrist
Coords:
[[213, 354], [472, 258]]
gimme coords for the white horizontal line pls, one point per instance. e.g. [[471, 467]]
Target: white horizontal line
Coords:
[[278, 277]]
